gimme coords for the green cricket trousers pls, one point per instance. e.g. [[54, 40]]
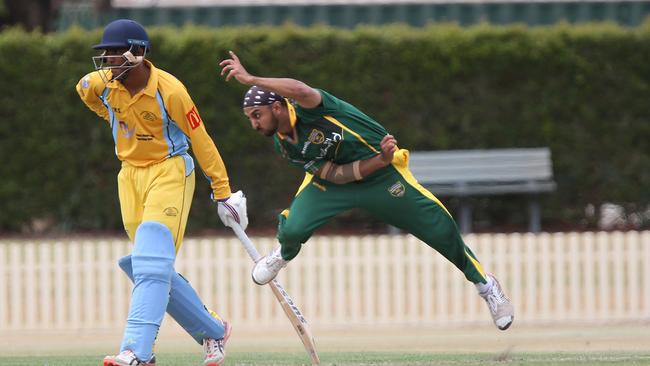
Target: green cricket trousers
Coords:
[[391, 194]]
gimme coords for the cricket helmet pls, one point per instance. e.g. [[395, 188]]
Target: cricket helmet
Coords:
[[123, 33]]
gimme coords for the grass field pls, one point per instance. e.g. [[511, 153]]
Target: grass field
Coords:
[[363, 358], [623, 344]]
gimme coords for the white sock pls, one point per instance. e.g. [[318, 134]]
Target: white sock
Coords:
[[484, 287]]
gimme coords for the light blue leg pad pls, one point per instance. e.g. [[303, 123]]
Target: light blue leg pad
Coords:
[[153, 265], [185, 307]]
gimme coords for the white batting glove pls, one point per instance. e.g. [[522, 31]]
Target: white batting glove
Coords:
[[233, 210]]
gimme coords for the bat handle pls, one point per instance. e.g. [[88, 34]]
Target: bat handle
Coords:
[[248, 244]]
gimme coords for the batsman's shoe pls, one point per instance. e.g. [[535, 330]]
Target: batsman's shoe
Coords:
[[127, 358], [215, 349], [268, 267], [503, 313]]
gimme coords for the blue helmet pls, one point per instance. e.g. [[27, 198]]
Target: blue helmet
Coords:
[[123, 33], [126, 35]]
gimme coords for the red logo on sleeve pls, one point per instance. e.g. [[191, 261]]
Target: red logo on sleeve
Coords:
[[193, 118]]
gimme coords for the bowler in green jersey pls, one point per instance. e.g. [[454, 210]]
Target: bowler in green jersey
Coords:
[[350, 161]]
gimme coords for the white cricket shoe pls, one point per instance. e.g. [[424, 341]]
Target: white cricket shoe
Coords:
[[268, 267], [215, 351], [127, 358], [501, 309]]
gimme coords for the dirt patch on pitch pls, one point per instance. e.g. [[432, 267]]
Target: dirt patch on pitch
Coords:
[[588, 338]]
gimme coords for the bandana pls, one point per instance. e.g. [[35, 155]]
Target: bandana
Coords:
[[257, 96]]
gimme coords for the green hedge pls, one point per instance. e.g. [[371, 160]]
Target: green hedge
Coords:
[[583, 91]]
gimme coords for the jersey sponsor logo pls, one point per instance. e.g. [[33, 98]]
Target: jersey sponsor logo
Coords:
[[144, 137], [304, 148], [193, 118], [85, 83], [148, 116], [316, 137], [329, 142], [170, 211], [126, 131], [397, 189]]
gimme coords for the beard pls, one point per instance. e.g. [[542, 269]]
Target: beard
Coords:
[[274, 129]]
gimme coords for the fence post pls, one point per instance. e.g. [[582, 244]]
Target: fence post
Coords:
[[354, 267], [575, 266], [544, 273], [531, 278], [17, 283], [104, 285], [603, 283], [59, 286], [87, 274], [325, 260], [589, 283], [646, 272], [4, 275], [619, 273], [559, 279], [632, 258], [29, 276]]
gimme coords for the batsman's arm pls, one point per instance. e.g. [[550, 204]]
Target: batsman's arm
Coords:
[[297, 90], [89, 88], [187, 117]]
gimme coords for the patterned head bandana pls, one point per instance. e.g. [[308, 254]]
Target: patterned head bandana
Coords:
[[256, 96]]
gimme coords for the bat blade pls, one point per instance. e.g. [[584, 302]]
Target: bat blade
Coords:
[[290, 309], [297, 320]]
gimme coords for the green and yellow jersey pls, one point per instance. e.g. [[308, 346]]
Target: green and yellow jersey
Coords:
[[155, 124], [334, 131]]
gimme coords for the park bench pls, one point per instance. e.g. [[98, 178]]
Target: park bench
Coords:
[[467, 173]]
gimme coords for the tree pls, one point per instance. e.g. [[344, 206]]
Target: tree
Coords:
[[30, 14]]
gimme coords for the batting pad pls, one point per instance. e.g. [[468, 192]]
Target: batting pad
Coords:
[[153, 265], [186, 307]]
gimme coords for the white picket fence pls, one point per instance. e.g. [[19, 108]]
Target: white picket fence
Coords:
[[369, 280]]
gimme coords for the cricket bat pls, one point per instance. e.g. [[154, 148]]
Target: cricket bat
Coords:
[[288, 306]]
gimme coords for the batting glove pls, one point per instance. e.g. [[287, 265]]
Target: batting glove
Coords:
[[233, 210]]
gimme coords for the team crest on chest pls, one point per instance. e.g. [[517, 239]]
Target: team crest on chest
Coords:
[[170, 211], [397, 189], [148, 116], [316, 137]]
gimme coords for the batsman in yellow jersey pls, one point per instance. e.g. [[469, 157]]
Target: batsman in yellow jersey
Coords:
[[153, 120]]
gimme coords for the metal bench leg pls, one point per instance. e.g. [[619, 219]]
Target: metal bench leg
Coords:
[[465, 216], [534, 215], [392, 230]]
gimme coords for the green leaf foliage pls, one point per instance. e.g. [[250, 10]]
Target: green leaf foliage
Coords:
[[581, 90]]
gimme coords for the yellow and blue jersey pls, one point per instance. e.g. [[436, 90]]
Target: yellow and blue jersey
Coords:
[[155, 124]]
